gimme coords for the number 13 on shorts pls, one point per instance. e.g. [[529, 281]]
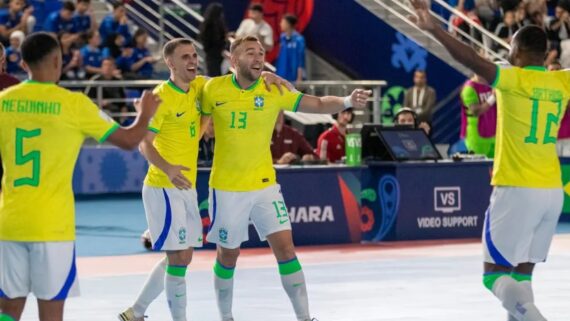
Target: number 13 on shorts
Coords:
[[281, 211]]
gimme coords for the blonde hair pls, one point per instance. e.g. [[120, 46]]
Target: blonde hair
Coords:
[[240, 41]]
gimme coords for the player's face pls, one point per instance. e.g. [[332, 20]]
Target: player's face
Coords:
[[184, 62], [344, 118], [420, 78], [405, 119], [249, 60]]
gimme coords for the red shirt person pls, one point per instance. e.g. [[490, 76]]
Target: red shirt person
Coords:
[[330, 146], [288, 145], [6, 80]]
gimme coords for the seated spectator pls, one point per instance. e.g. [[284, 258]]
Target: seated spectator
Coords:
[[506, 29], [256, 26], [124, 62], [109, 95], [331, 143], [206, 147], [116, 22], [16, 18], [421, 97], [288, 145], [6, 80], [114, 46], [141, 60], [407, 116], [291, 60], [83, 19], [558, 31], [62, 20], [478, 116], [14, 55], [91, 55], [71, 57]]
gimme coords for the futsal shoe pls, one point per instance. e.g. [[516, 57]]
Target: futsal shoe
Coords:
[[129, 315]]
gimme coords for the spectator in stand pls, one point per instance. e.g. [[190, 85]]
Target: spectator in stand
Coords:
[[6, 80], [256, 26], [124, 62], [14, 54], [467, 7], [488, 12], [16, 18], [83, 19], [288, 145], [331, 143], [142, 60], [206, 147], [62, 20], [478, 116], [116, 22], [291, 60], [558, 31], [421, 97], [563, 142], [114, 46], [110, 95], [91, 55], [214, 35], [506, 29], [71, 58], [407, 116]]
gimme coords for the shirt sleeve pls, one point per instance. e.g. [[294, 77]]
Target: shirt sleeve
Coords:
[[157, 120], [507, 78], [469, 96], [207, 99], [290, 100], [92, 121]]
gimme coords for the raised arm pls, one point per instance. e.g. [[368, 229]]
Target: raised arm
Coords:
[[333, 104], [461, 52]]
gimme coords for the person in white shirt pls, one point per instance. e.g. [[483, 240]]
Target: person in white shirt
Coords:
[[256, 26]]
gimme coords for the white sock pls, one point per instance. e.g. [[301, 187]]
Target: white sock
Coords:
[[152, 288], [224, 288], [517, 299], [293, 281], [175, 286]]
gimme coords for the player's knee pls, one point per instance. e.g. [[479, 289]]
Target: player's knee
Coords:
[[180, 258], [228, 257]]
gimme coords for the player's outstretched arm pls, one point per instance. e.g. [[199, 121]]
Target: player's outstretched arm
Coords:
[[333, 104], [129, 138], [461, 52]]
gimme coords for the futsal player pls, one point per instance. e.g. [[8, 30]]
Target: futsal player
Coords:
[[527, 197], [42, 128], [242, 182]]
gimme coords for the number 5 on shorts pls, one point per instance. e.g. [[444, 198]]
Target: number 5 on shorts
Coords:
[[33, 156]]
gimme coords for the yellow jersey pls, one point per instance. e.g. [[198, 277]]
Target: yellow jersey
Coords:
[[530, 106], [177, 127], [243, 122], [42, 128]]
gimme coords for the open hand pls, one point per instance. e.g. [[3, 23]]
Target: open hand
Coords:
[[423, 18], [270, 78], [175, 175]]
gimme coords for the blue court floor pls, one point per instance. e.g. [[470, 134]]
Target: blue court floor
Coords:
[[423, 282]]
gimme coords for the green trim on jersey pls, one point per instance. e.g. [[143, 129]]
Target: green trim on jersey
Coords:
[[496, 81], [176, 88], [536, 68], [289, 267], [223, 272], [31, 81], [154, 130], [297, 103], [109, 132], [252, 87]]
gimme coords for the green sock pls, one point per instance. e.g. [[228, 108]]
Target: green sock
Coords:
[[293, 281]]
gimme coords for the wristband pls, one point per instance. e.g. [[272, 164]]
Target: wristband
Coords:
[[347, 102]]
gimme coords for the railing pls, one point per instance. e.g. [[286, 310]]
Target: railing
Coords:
[[339, 88], [489, 37]]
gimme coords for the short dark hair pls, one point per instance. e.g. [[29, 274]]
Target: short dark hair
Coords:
[[170, 46], [90, 34], [256, 7], [531, 40], [291, 19], [84, 1], [241, 40], [37, 46], [117, 5], [68, 5]]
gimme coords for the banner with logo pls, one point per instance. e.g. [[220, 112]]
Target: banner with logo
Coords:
[[425, 200]]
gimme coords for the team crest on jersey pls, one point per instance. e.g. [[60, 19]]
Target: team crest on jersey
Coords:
[[182, 235], [258, 102], [223, 235]]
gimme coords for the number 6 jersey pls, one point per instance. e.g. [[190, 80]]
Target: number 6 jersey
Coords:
[[530, 104], [42, 128]]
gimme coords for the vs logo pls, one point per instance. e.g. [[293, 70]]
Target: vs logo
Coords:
[[447, 199]]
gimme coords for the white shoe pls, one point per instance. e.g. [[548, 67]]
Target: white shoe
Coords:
[[129, 315]]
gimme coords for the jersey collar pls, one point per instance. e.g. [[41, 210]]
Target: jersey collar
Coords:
[[252, 87], [537, 68], [176, 88], [30, 81]]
